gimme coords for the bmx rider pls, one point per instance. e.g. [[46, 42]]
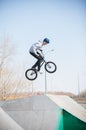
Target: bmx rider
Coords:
[[36, 51]]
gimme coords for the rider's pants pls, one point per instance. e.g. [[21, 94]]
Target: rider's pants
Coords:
[[39, 60]]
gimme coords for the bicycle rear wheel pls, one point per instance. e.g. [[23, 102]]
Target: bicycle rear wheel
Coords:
[[31, 74], [50, 67]]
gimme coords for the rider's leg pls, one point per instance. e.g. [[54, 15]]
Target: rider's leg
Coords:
[[37, 64]]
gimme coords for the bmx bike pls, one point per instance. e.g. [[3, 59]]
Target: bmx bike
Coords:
[[50, 67]]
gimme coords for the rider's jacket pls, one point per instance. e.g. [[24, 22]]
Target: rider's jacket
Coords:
[[36, 47]]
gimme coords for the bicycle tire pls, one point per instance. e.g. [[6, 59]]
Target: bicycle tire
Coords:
[[48, 67], [29, 72]]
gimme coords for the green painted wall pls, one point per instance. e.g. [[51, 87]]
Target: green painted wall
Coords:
[[59, 125], [66, 121], [70, 122]]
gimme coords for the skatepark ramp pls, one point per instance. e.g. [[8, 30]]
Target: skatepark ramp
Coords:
[[71, 115], [48, 112], [7, 123]]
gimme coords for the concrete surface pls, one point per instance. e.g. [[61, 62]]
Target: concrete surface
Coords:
[[34, 113], [42, 112], [7, 123], [70, 106]]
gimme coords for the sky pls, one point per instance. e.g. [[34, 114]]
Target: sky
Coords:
[[64, 23]]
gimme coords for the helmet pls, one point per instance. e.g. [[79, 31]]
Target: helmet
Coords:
[[46, 40]]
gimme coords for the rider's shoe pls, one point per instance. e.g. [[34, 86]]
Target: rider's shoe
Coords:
[[33, 68]]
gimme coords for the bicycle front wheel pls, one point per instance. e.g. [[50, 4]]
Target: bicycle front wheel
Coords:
[[31, 74], [50, 67]]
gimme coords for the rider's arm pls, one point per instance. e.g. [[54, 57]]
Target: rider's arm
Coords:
[[36, 48]]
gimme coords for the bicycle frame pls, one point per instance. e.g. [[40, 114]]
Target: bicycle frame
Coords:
[[42, 62], [43, 59], [50, 67]]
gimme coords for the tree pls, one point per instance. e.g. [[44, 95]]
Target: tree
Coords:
[[10, 82], [5, 52]]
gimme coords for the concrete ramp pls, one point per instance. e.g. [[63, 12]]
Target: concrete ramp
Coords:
[[7, 123], [46, 113], [34, 113], [72, 115]]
